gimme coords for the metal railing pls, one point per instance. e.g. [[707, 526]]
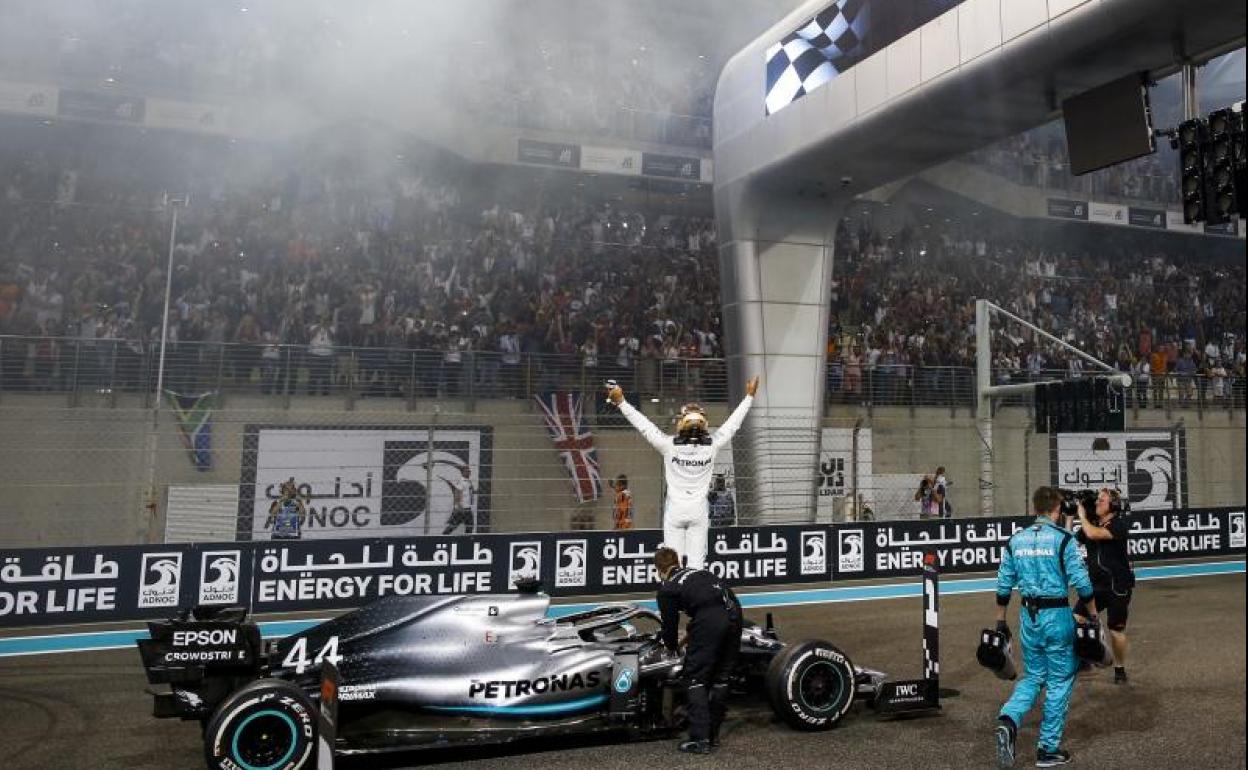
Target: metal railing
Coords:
[[111, 366], [52, 364]]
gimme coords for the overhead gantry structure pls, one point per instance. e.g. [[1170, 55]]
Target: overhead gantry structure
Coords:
[[981, 71]]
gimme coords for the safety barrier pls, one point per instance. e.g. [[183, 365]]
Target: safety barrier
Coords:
[[42, 586], [77, 366]]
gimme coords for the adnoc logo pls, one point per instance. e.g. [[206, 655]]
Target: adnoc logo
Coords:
[[218, 577], [570, 563], [525, 561], [814, 553], [849, 552], [160, 578]]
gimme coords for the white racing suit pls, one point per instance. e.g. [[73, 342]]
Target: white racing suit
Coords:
[[687, 469]]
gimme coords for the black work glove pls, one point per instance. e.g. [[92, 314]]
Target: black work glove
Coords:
[[1003, 628]]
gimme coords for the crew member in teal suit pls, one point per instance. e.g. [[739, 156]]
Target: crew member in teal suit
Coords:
[[1041, 561]]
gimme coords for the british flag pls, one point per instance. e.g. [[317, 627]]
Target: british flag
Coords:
[[574, 442]]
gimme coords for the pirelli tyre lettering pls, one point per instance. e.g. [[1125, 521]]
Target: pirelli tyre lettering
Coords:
[[811, 685], [267, 725]]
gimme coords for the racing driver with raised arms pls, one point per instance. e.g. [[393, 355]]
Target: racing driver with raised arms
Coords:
[[688, 465]]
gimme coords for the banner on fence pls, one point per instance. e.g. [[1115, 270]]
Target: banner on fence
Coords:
[[611, 160], [28, 98], [333, 574], [387, 480], [56, 586], [895, 548], [1141, 217], [51, 586], [1064, 208], [90, 105], [1149, 468], [1107, 213], [677, 167], [548, 153], [838, 471], [185, 116]]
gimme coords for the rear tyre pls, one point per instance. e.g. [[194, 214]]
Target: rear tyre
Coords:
[[811, 685], [267, 725]]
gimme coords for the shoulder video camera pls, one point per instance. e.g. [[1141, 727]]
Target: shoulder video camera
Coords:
[[1071, 498]]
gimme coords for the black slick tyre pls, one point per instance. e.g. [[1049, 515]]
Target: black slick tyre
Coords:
[[267, 725], [811, 685]]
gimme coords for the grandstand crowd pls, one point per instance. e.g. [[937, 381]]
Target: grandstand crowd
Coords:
[[1174, 320], [638, 96], [1039, 158], [333, 265], [336, 275]]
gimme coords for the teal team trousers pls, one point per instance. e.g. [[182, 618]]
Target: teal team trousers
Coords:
[[1048, 640]]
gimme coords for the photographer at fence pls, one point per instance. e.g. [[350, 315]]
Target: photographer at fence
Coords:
[[462, 508], [288, 513], [1104, 533]]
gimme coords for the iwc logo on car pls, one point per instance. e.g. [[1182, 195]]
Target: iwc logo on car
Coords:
[[218, 577], [849, 550], [814, 553], [525, 560], [160, 578], [570, 563]]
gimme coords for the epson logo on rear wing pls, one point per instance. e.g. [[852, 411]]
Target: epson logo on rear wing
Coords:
[[215, 637]]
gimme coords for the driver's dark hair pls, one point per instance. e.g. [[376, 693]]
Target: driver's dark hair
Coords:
[[1046, 499], [665, 558]]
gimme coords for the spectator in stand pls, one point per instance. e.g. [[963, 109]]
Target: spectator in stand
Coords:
[[1217, 377], [348, 251], [853, 372], [1157, 374], [1142, 371], [1185, 369], [320, 358]]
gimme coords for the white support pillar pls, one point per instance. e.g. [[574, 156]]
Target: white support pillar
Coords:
[[983, 403], [776, 329]]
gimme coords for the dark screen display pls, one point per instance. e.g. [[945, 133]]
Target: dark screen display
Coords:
[[1108, 125]]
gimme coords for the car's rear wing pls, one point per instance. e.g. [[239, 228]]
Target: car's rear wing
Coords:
[[202, 654]]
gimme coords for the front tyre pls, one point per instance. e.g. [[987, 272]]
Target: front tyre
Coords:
[[811, 685], [267, 725]]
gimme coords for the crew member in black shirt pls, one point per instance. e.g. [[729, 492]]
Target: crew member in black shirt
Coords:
[[713, 641], [1105, 535]]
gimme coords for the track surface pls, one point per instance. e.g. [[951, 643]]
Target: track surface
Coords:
[[1183, 708]]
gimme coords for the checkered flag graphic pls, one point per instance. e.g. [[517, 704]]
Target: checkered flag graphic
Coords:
[[828, 45]]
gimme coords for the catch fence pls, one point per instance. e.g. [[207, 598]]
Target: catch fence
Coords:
[[85, 458]]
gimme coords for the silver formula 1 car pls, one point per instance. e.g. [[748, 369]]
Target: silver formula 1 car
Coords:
[[420, 672]]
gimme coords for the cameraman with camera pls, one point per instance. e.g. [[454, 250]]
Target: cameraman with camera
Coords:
[[1104, 533]]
